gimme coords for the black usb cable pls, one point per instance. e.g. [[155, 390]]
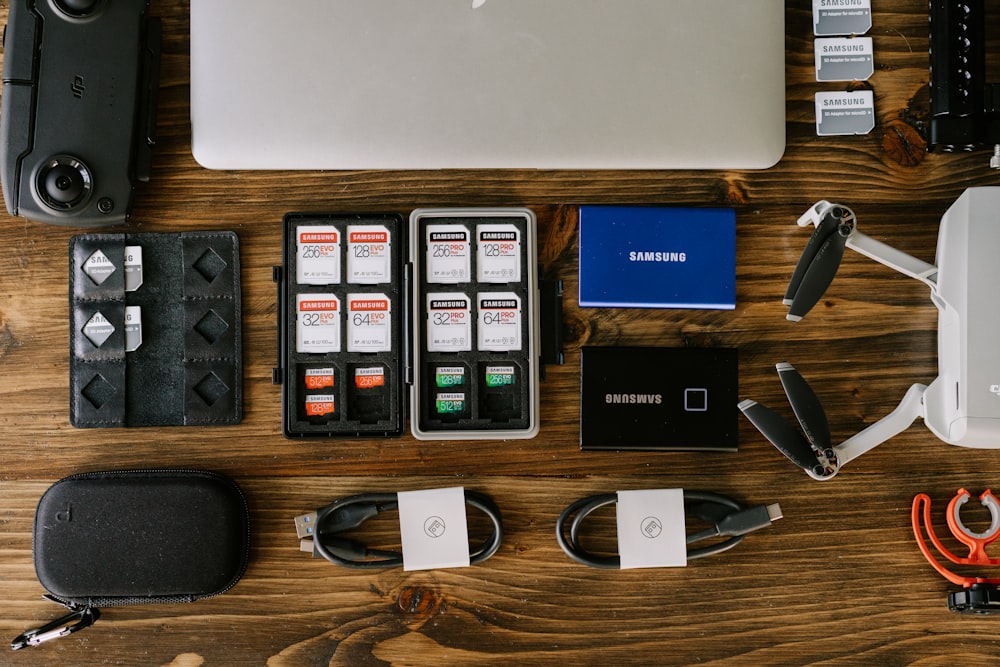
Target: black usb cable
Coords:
[[728, 518], [320, 531]]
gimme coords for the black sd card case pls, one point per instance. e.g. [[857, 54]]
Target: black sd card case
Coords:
[[136, 537]]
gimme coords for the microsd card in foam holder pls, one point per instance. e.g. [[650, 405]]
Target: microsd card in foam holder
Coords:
[[476, 324], [343, 355]]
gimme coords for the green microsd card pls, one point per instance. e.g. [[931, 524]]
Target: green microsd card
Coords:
[[450, 404], [449, 376], [499, 376]]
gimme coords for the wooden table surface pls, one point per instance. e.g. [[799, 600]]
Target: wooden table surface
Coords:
[[838, 580]]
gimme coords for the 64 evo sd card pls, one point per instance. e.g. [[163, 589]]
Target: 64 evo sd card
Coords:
[[369, 323]]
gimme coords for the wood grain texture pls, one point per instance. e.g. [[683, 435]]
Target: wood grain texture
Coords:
[[838, 581]]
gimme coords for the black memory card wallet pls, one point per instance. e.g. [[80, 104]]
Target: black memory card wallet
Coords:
[[107, 539], [155, 329]]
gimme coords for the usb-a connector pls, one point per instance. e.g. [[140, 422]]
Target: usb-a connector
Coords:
[[305, 526]]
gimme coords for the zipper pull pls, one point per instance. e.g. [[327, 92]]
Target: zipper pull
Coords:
[[80, 617]]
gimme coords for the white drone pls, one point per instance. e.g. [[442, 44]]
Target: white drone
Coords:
[[962, 405]]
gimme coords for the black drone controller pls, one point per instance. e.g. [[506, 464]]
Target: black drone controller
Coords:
[[78, 118]]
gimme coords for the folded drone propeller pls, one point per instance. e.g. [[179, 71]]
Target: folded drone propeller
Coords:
[[820, 259], [813, 452]]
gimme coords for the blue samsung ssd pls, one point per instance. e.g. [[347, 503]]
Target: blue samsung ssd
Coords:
[[657, 257]]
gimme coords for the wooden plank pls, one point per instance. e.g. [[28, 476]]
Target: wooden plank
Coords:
[[838, 580]]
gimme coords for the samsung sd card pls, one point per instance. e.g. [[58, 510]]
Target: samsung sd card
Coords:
[[498, 253], [449, 322], [317, 255], [369, 323], [448, 254], [317, 326], [369, 254], [499, 321]]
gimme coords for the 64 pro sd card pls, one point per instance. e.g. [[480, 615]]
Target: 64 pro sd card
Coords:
[[653, 398]]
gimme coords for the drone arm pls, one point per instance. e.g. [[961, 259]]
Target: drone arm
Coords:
[[895, 259], [892, 424], [869, 247]]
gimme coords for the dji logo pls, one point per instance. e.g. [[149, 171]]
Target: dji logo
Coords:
[[995, 389], [77, 87]]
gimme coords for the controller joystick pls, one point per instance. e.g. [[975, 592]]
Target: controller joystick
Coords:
[[64, 183], [77, 8]]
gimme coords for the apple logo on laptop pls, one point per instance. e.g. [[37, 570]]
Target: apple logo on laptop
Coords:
[[476, 4]]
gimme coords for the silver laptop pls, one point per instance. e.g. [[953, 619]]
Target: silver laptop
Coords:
[[426, 84]]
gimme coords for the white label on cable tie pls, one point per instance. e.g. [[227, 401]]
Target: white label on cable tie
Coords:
[[651, 529], [433, 528]]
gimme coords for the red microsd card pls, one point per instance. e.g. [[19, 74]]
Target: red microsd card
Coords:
[[319, 406], [367, 378], [319, 378]]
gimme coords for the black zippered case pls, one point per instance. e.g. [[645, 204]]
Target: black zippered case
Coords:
[[118, 538]]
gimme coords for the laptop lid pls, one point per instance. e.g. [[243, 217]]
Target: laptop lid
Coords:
[[423, 84]]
